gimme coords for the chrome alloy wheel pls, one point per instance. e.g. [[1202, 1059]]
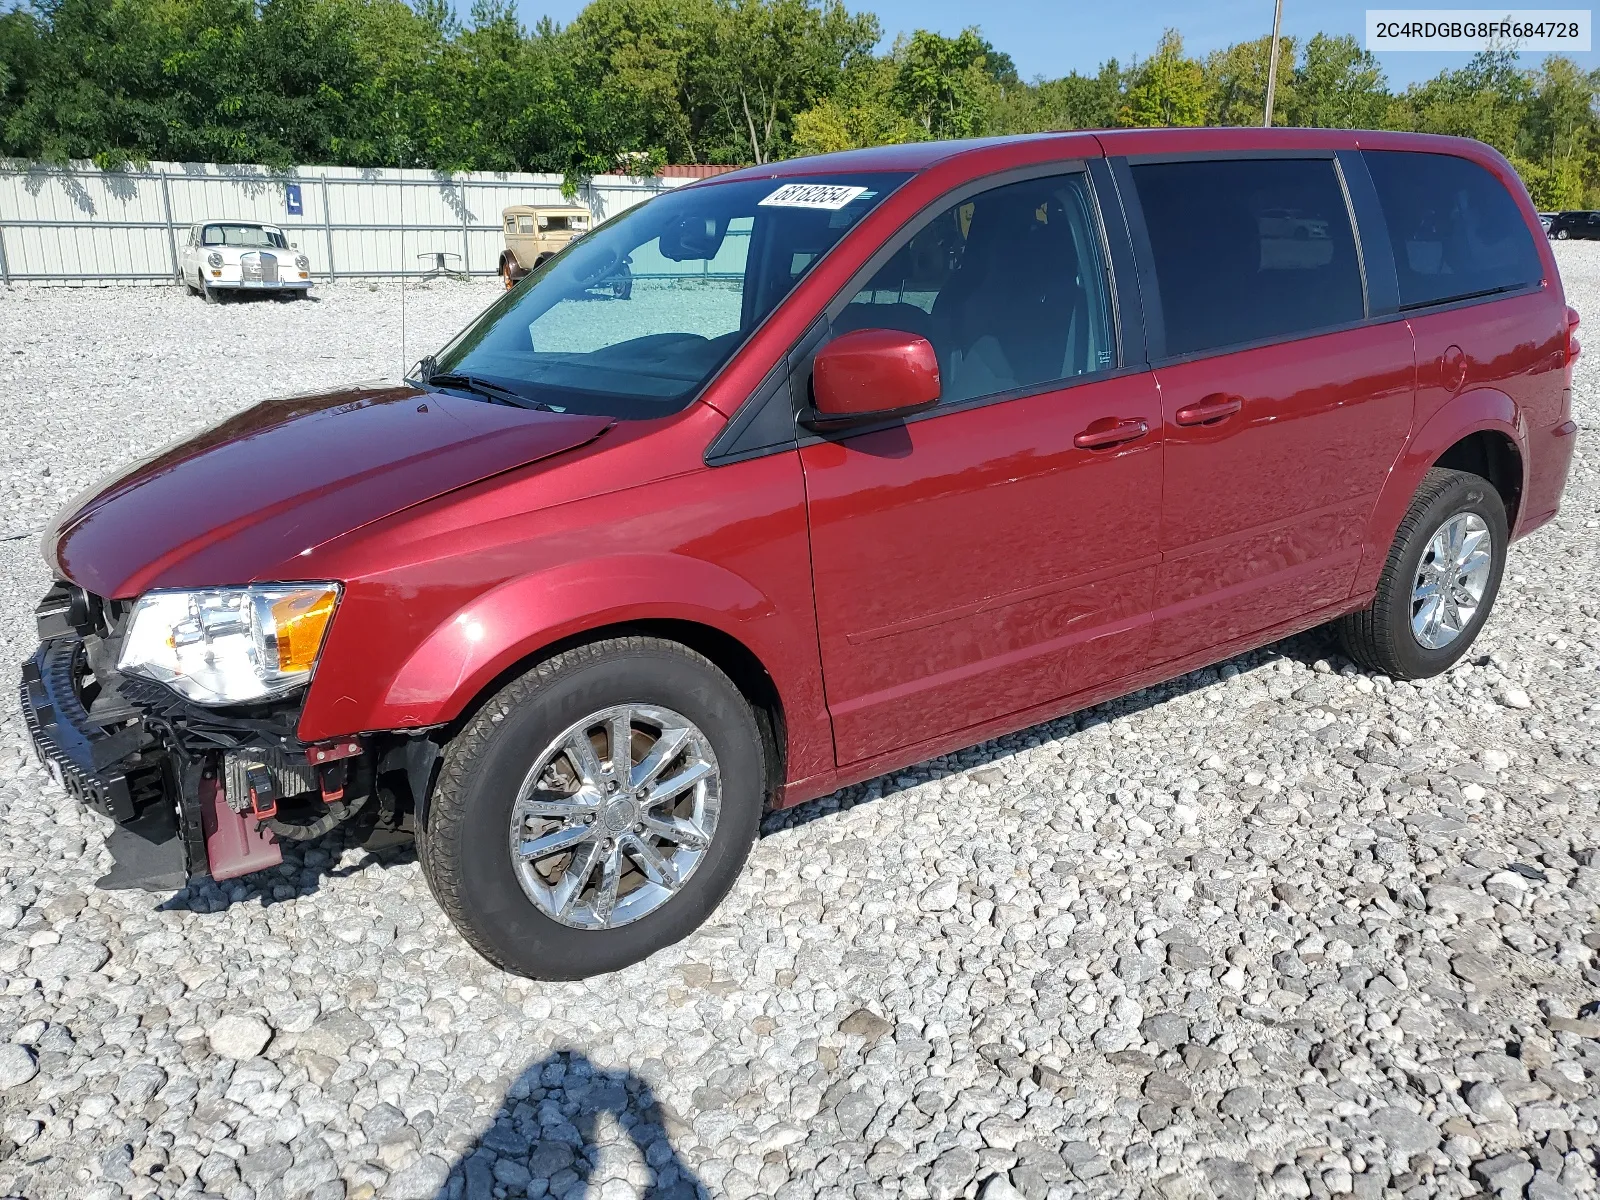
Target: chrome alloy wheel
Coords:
[[1450, 581], [615, 816]]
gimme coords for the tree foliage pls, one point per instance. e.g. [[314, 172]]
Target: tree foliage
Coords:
[[639, 83]]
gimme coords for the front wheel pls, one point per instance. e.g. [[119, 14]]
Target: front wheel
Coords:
[[1562, 235], [595, 810], [1439, 583]]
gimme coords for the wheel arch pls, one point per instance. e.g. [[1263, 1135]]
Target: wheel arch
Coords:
[[1493, 455], [1480, 430], [726, 652]]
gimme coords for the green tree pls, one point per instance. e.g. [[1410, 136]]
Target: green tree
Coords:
[[1236, 83], [1559, 139], [769, 60], [1168, 88], [943, 84], [1337, 85]]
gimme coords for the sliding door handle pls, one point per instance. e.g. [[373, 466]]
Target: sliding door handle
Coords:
[[1212, 410]]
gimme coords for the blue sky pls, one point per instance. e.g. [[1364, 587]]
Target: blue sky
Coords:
[[1053, 37]]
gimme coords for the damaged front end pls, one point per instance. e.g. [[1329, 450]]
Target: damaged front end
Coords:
[[198, 790]]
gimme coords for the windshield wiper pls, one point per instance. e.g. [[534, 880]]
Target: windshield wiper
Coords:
[[482, 387]]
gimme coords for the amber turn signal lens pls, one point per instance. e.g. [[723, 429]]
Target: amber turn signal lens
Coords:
[[300, 621]]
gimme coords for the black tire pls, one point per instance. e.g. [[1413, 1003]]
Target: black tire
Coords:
[[1380, 637], [1562, 235], [208, 293], [506, 276], [463, 842]]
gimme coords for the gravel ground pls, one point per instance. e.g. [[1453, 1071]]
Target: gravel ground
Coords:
[[1277, 928]]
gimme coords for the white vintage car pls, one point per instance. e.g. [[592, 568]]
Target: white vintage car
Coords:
[[241, 256]]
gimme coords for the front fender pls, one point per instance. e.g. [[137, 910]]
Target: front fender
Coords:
[[1477, 411], [499, 628]]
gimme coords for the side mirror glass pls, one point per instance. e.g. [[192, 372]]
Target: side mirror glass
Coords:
[[872, 375]]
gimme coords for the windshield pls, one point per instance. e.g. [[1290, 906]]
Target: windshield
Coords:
[[631, 320], [242, 235]]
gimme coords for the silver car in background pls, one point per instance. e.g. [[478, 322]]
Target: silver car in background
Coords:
[[222, 257]]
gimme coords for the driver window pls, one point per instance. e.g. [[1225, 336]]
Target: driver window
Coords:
[[525, 224], [1009, 286]]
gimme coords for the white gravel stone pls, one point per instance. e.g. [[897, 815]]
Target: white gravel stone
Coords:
[[1275, 928], [18, 1065], [239, 1037], [940, 896]]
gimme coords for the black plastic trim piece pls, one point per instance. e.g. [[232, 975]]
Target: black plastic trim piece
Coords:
[[1126, 302], [764, 424], [1155, 324], [1176, 156], [1372, 235], [87, 762]]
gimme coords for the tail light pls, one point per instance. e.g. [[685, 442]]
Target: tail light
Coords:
[[1573, 346]]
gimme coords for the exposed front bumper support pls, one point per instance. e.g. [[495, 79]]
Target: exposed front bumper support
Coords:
[[108, 771]]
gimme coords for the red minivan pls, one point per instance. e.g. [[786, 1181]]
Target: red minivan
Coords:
[[883, 453]]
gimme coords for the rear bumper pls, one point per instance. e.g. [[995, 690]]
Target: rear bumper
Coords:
[[1550, 454]]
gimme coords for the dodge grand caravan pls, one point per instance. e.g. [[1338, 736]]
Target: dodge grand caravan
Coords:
[[884, 453]]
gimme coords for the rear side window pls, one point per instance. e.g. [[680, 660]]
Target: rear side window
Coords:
[[1009, 287], [1248, 250], [1455, 230]]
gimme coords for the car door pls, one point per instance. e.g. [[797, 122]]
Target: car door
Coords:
[[1283, 407], [998, 551]]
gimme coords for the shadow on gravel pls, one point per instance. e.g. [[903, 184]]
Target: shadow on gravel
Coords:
[[549, 1128], [1305, 648], [310, 867]]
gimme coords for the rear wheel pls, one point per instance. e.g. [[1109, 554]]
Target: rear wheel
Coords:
[[505, 274], [1562, 235], [1439, 583], [595, 810]]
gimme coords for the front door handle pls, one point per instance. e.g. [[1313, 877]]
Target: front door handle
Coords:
[[1108, 431], [1210, 411]]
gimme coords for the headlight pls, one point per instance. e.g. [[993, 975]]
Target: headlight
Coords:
[[214, 258], [229, 645], [301, 261]]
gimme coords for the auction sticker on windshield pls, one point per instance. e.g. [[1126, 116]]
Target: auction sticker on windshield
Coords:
[[813, 195]]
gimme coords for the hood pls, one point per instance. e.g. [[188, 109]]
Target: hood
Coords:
[[240, 502]]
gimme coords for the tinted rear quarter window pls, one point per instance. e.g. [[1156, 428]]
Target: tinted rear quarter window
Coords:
[[1455, 230], [1249, 250]]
